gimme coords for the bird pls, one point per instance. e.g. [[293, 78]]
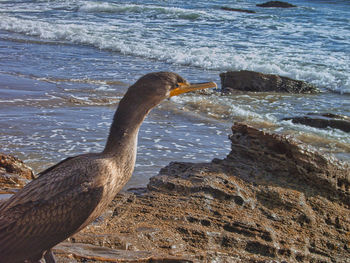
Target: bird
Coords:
[[68, 196]]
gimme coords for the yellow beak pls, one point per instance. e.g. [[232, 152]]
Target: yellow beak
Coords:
[[187, 87]]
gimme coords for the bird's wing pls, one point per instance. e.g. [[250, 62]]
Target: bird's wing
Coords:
[[54, 166], [48, 209], [58, 178]]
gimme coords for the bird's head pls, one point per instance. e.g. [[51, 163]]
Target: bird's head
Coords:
[[146, 93], [155, 87]]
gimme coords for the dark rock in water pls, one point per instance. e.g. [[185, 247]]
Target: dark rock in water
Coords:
[[276, 4], [13, 172], [323, 121], [238, 10], [271, 199], [251, 81]]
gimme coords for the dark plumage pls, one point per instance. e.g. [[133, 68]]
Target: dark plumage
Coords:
[[71, 194]]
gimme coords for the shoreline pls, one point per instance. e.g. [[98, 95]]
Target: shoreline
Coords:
[[21, 100]]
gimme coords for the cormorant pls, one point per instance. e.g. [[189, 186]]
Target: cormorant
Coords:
[[68, 196]]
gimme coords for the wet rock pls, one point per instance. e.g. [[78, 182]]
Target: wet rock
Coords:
[[271, 199], [276, 4], [237, 10], [250, 81], [13, 173], [323, 121]]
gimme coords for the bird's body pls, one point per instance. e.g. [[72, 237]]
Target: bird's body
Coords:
[[61, 202], [71, 194]]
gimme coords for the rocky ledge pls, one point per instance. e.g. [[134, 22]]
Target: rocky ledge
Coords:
[[272, 199], [251, 81]]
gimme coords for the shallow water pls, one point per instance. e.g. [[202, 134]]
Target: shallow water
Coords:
[[64, 65], [41, 127]]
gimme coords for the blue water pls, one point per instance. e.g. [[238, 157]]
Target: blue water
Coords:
[[62, 61], [311, 42]]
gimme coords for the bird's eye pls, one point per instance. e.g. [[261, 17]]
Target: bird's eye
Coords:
[[177, 85]]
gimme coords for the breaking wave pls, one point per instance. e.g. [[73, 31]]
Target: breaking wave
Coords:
[[206, 38], [150, 10]]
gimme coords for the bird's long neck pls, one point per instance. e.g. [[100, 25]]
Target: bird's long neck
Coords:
[[122, 139]]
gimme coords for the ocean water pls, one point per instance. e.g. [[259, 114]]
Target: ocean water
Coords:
[[64, 65]]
